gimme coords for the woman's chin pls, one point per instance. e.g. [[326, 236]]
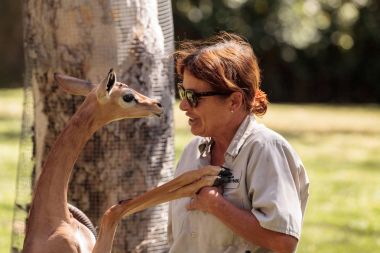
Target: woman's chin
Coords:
[[195, 131], [196, 128]]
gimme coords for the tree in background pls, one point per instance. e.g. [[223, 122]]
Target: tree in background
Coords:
[[309, 50], [85, 39]]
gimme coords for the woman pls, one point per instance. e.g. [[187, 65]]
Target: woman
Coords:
[[261, 208]]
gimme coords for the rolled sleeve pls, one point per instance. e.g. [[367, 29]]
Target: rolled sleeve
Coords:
[[274, 187]]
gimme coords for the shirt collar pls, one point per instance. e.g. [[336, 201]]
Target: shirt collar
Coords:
[[244, 130], [205, 146], [241, 135]]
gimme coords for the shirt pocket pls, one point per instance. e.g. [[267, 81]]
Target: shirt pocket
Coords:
[[235, 180], [233, 190]]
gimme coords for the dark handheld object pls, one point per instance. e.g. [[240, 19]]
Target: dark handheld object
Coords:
[[224, 177], [82, 218]]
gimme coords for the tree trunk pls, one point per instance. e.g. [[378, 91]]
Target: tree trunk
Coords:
[[85, 39]]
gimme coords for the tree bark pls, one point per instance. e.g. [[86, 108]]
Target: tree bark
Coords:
[[85, 39]]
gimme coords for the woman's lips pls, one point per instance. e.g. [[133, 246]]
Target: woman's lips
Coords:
[[191, 120]]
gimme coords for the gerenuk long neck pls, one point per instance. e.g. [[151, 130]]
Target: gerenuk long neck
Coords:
[[51, 190]]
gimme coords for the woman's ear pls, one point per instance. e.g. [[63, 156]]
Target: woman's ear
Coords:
[[236, 101]]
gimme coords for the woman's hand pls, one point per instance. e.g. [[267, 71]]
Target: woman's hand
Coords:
[[206, 199], [242, 222]]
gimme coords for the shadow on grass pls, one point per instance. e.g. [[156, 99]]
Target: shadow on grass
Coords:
[[10, 136], [347, 229]]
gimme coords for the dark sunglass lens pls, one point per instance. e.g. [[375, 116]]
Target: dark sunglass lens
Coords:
[[191, 98], [189, 95], [181, 92]]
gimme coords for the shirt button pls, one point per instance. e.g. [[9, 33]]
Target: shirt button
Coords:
[[193, 234]]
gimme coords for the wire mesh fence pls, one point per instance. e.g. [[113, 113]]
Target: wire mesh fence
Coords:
[[125, 158]]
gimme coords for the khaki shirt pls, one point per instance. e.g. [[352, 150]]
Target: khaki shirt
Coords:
[[269, 179]]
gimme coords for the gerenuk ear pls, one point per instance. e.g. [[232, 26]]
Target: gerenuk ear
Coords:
[[73, 85], [105, 86]]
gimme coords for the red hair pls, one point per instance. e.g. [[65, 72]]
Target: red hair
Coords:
[[227, 62]]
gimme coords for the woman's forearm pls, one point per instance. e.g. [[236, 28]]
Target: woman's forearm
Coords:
[[245, 224]]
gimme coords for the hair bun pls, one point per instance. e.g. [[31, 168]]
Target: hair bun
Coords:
[[260, 103]]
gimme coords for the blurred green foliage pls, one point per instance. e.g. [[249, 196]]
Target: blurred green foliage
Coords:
[[309, 50], [11, 53]]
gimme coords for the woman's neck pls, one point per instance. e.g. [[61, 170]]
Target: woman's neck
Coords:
[[223, 140], [217, 156]]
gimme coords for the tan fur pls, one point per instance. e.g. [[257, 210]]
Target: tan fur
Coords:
[[51, 227]]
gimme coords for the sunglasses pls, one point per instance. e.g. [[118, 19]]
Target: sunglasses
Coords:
[[193, 97]]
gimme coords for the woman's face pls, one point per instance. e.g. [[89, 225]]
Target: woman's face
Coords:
[[210, 117]]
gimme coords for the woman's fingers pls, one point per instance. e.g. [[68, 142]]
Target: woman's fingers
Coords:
[[204, 199]]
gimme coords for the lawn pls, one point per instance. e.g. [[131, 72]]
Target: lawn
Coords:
[[10, 127], [340, 147]]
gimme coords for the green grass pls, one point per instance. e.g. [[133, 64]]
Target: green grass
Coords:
[[10, 126], [340, 147]]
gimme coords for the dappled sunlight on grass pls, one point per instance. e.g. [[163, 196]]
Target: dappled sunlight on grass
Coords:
[[11, 103]]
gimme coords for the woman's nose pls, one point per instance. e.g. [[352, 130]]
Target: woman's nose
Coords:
[[184, 105]]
